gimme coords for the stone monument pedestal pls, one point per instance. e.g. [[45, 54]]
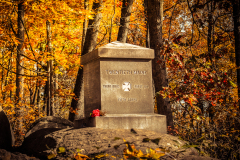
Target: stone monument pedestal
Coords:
[[152, 122], [118, 81]]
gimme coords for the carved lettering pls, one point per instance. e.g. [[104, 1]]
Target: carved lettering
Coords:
[[126, 86], [127, 100], [114, 86], [122, 99], [132, 99], [106, 86], [139, 86], [145, 87], [125, 72]]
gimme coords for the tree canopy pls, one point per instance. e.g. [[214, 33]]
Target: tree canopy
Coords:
[[41, 43]]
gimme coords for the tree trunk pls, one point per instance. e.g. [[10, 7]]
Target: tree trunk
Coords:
[[124, 21], [50, 72], [56, 98], [154, 12], [6, 76], [110, 32], [89, 45], [210, 50], [146, 19], [236, 18], [20, 70], [84, 26], [40, 110], [34, 97], [93, 29]]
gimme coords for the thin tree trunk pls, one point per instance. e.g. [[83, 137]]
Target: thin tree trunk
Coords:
[[33, 102], [210, 50], [236, 18], [39, 91], [56, 98], [135, 36], [20, 70], [3, 94], [84, 26], [147, 25], [125, 19], [7, 75], [89, 45], [210, 26], [51, 89], [50, 72], [110, 33], [154, 12], [38, 101]]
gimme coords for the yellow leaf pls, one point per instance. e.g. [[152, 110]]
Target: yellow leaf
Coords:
[[61, 150], [81, 157], [51, 156]]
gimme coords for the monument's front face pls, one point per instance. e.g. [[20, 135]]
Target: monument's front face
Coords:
[[118, 79], [126, 86]]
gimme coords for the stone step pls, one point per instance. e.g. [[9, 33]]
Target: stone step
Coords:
[[152, 122]]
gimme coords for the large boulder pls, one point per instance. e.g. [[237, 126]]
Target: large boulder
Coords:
[[49, 122], [92, 141], [35, 140], [5, 155], [6, 133]]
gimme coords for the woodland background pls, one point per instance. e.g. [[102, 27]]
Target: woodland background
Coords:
[[195, 71]]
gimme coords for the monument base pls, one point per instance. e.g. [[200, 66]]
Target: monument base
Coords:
[[152, 122]]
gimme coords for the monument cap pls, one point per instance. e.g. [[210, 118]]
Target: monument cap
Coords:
[[118, 50]]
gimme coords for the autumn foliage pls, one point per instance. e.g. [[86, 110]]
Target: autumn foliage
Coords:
[[202, 76], [198, 52]]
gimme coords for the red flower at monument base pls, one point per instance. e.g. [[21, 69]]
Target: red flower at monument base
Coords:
[[95, 113]]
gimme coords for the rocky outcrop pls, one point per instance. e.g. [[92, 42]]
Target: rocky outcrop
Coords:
[[6, 133], [56, 138], [92, 141]]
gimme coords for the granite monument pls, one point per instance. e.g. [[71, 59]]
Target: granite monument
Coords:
[[118, 81]]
